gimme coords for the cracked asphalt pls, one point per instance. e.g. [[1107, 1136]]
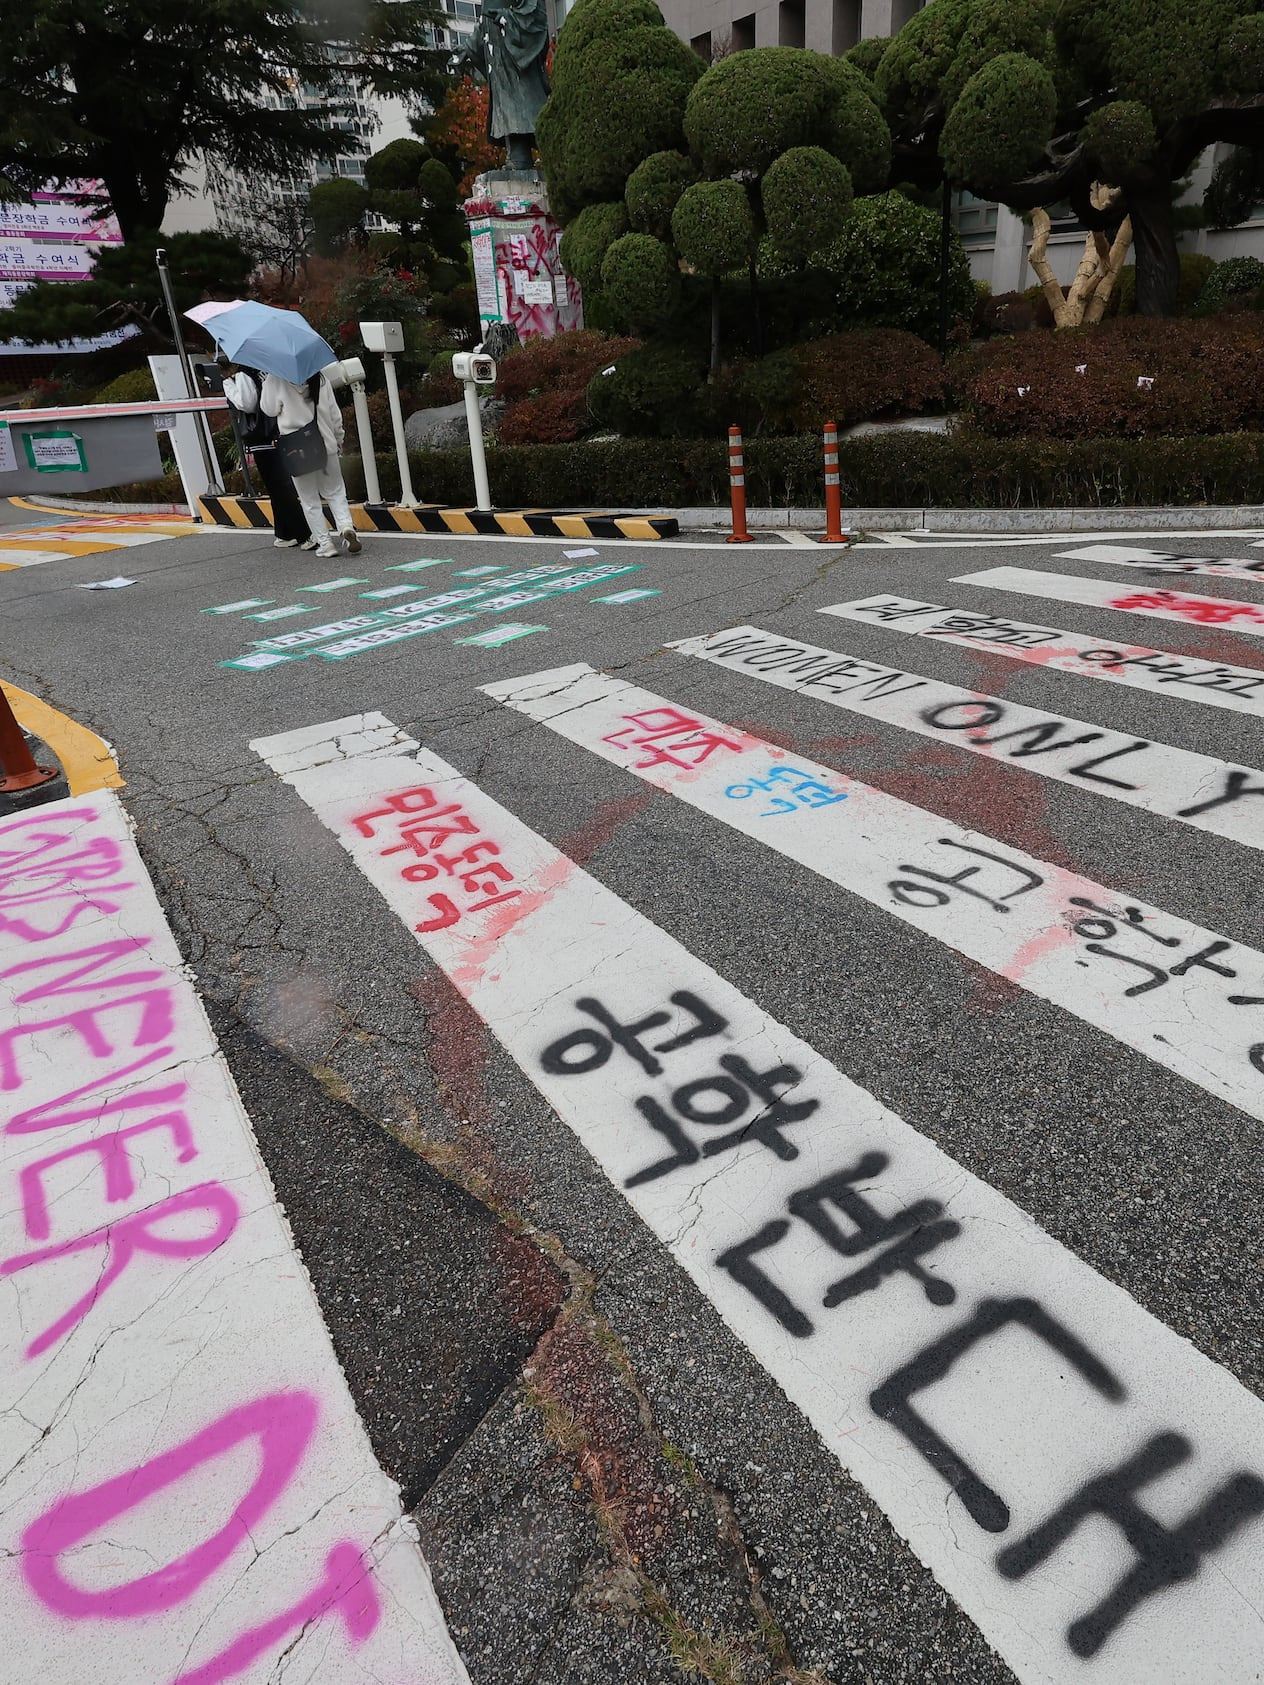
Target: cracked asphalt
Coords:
[[608, 1487]]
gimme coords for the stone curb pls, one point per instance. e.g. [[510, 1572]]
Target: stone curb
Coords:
[[981, 521]]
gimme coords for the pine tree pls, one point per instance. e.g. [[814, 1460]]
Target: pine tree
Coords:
[[128, 91]]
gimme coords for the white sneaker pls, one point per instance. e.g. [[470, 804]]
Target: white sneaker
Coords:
[[326, 550], [284, 543], [352, 541], [308, 544]]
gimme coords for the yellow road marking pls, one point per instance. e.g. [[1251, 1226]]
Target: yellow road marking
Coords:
[[63, 546], [86, 759]]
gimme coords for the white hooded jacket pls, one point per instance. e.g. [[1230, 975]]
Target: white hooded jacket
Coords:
[[293, 409]]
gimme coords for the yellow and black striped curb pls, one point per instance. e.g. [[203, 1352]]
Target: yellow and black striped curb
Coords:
[[433, 517]]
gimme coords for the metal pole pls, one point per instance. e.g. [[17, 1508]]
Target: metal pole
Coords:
[[18, 770], [945, 252], [213, 482], [406, 494], [368, 456], [474, 422]]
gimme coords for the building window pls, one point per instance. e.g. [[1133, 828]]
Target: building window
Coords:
[[975, 220], [744, 33], [902, 11], [790, 23], [845, 31], [701, 45]]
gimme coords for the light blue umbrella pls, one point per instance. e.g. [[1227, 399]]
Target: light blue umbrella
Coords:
[[279, 342]]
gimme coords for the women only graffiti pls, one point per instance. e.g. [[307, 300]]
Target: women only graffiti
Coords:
[[190, 1492], [1081, 1479], [1200, 790]]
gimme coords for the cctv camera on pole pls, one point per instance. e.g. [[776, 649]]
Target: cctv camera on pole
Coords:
[[474, 369]]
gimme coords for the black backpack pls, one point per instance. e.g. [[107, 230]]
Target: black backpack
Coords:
[[255, 429]]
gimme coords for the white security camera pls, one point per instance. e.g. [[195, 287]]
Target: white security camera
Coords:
[[347, 371], [386, 337], [470, 365]]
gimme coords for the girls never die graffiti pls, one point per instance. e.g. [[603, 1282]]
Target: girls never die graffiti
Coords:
[[123, 1188]]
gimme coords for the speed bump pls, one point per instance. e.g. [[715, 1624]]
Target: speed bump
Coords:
[[247, 512]]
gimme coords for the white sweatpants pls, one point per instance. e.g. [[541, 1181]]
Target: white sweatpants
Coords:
[[326, 483]]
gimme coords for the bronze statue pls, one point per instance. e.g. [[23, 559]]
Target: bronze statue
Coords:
[[509, 47]]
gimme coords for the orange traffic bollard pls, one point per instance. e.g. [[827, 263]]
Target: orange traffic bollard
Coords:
[[18, 770], [834, 533], [737, 489]]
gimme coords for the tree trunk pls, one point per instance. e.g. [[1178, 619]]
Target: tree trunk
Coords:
[[1158, 260], [1112, 263], [756, 308]]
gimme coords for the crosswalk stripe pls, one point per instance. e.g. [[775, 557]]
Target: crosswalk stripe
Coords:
[[1105, 593], [1083, 946], [977, 1377], [1199, 790], [1217, 684], [183, 1464], [1164, 561]]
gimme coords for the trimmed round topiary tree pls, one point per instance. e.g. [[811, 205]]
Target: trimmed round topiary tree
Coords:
[[641, 281], [857, 132], [999, 127], [714, 228], [750, 108], [587, 240], [620, 82], [653, 189], [868, 54], [806, 195]]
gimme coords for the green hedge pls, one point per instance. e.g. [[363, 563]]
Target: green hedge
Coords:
[[897, 470]]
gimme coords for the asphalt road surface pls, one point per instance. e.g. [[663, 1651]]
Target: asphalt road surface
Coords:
[[762, 1053]]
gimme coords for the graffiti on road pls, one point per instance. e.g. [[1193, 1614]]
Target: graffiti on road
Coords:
[[184, 1459], [1078, 1476]]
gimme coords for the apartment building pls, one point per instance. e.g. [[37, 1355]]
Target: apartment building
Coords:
[[237, 203]]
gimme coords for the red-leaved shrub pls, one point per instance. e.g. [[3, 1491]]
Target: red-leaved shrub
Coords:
[[1125, 378], [851, 377], [545, 385]]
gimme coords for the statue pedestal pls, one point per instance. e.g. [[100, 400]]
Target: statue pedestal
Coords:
[[517, 270]]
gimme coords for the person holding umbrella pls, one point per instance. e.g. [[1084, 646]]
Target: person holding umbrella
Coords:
[[258, 433], [291, 354]]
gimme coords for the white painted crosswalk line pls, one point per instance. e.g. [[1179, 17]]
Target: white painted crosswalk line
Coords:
[[1183, 996], [1105, 593], [1199, 790], [1219, 685], [1164, 561], [188, 1494], [973, 1374]]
